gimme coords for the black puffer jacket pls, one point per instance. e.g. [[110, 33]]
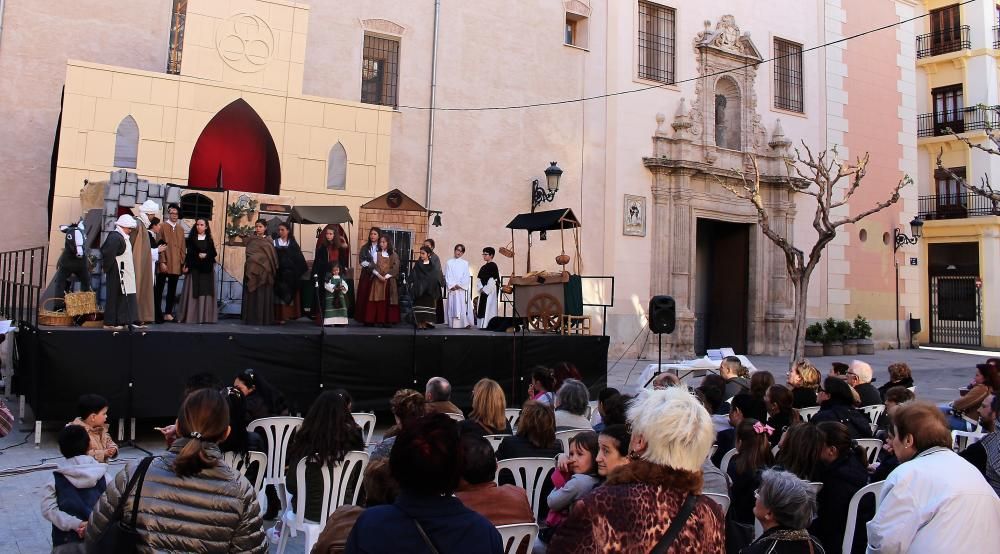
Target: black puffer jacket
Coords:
[[213, 511]]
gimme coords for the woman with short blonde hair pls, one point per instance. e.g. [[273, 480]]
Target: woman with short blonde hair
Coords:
[[488, 416], [803, 378]]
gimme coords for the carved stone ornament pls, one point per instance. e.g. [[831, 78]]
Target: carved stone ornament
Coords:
[[383, 26], [577, 7], [245, 42]]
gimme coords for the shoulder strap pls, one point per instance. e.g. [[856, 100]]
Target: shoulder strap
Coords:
[[136, 481], [140, 470], [676, 525], [420, 530]]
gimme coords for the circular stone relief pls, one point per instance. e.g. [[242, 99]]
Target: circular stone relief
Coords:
[[245, 42]]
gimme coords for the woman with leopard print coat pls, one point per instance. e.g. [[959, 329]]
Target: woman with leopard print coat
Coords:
[[671, 435]]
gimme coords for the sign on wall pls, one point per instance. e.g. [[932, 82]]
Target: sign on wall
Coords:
[[634, 216]]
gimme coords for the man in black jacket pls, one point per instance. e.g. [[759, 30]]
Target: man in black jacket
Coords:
[[859, 376]]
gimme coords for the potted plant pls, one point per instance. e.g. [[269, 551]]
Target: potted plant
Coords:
[[833, 339], [814, 340], [850, 342], [862, 331]]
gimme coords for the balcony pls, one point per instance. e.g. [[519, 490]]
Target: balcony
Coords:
[[975, 118], [955, 206], [996, 37], [943, 42]]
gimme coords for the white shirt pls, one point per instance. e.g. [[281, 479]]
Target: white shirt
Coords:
[[935, 503]]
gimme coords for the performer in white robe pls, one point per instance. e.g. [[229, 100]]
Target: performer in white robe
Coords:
[[488, 287], [116, 251], [458, 313]]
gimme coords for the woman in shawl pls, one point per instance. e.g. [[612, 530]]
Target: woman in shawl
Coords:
[[329, 252], [425, 288], [291, 268], [198, 303], [383, 301], [258, 278], [366, 258]]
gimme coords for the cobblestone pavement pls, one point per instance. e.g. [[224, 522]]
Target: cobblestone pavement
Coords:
[[937, 374]]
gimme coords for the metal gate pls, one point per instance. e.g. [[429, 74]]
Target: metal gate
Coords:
[[956, 311]]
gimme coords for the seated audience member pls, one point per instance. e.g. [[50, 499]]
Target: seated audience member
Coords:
[[502, 505], [987, 415], [665, 380], [406, 404], [985, 454], [76, 486], [543, 385], [893, 397], [837, 404], [602, 397], [562, 371], [899, 376], [713, 388], [784, 507], [570, 486], [488, 415], [615, 409], [843, 470], [760, 381], [730, 369], [743, 406], [780, 411], [800, 450], [571, 406], [887, 461], [536, 434], [838, 369], [379, 489], [428, 465], [92, 415], [191, 500], [612, 449], [934, 501], [438, 396], [262, 399], [803, 378], [986, 381], [671, 435], [859, 376], [753, 454]]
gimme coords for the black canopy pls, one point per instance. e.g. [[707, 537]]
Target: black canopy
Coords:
[[551, 220], [321, 214]]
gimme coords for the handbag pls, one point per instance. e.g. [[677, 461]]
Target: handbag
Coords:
[[676, 525], [122, 537], [6, 420]]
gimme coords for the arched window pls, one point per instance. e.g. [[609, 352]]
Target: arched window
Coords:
[[194, 205], [127, 143], [728, 115], [336, 168]]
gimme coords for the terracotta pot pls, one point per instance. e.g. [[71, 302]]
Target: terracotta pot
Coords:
[[562, 259]]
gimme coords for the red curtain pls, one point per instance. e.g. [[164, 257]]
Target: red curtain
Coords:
[[236, 143]]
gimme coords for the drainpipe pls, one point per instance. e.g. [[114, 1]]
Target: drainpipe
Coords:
[[1, 18], [430, 124]]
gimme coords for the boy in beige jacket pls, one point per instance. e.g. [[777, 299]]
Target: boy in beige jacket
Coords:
[[93, 416]]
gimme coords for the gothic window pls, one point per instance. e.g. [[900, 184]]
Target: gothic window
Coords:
[[728, 115], [336, 168], [126, 143]]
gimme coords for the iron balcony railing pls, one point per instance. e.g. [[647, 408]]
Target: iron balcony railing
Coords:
[[996, 37], [956, 206], [974, 118], [943, 42]]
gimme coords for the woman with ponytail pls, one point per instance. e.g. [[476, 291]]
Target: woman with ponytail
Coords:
[[843, 469], [190, 500]]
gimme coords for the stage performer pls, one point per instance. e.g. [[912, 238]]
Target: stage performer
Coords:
[[142, 260], [73, 260], [366, 257], [170, 264], [118, 263], [335, 303], [198, 299], [258, 277], [489, 288], [327, 255], [291, 269], [439, 309], [457, 280], [425, 289], [383, 301]]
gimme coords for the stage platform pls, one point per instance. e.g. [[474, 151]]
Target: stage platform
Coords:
[[142, 372]]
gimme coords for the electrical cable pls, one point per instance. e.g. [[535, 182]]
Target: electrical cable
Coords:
[[22, 443], [675, 83]]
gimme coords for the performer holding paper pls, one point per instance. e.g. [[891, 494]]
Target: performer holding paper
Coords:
[[118, 264], [489, 288], [383, 300], [456, 276]]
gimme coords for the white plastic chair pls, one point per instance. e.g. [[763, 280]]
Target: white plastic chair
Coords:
[[775, 449], [726, 458], [816, 486], [530, 475], [336, 483], [912, 389], [513, 536], [972, 425], [513, 416], [852, 511], [278, 432], [241, 464], [457, 417], [711, 451], [807, 413], [873, 412], [564, 436], [495, 440], [960, 440], [367, 423], [720, 499], [872, 447], [591, 409]]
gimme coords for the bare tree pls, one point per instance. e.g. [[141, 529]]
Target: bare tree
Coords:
[[985, 187], [816, 176]]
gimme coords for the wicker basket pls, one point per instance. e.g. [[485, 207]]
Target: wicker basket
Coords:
[[81, 303], [507, 251], [51, 318]]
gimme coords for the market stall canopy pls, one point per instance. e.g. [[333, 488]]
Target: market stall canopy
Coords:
[[321, 214], [551, 220]]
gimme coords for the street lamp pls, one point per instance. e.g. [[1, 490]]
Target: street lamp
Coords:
[[899, 239], [539, 194]]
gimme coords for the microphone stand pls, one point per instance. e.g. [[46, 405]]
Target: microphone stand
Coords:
[[322, 329]]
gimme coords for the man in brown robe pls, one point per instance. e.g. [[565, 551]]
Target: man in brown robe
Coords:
[[171, 262], [142, 259]]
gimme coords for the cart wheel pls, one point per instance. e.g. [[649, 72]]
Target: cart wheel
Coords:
[[544, 313]]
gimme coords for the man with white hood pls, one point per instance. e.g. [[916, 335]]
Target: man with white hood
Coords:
[[142, 261], [76, 486], [458, 280], [119, 266]]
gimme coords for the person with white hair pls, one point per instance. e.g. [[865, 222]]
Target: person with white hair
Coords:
[[785, 506], [656, 498], [120, 309], [859, 376]]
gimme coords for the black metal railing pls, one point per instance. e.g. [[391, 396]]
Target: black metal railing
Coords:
[[22, 278], [996, 37], [943, 42], [956, 206], [975, 118]]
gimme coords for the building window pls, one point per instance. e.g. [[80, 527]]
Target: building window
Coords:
[[127, 143], [178, 15], [656, 42], [951, 198], [336, 168], [949, 110], [576, 30], [946, 29], [196, 206], [788, 93], [380, 71]]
